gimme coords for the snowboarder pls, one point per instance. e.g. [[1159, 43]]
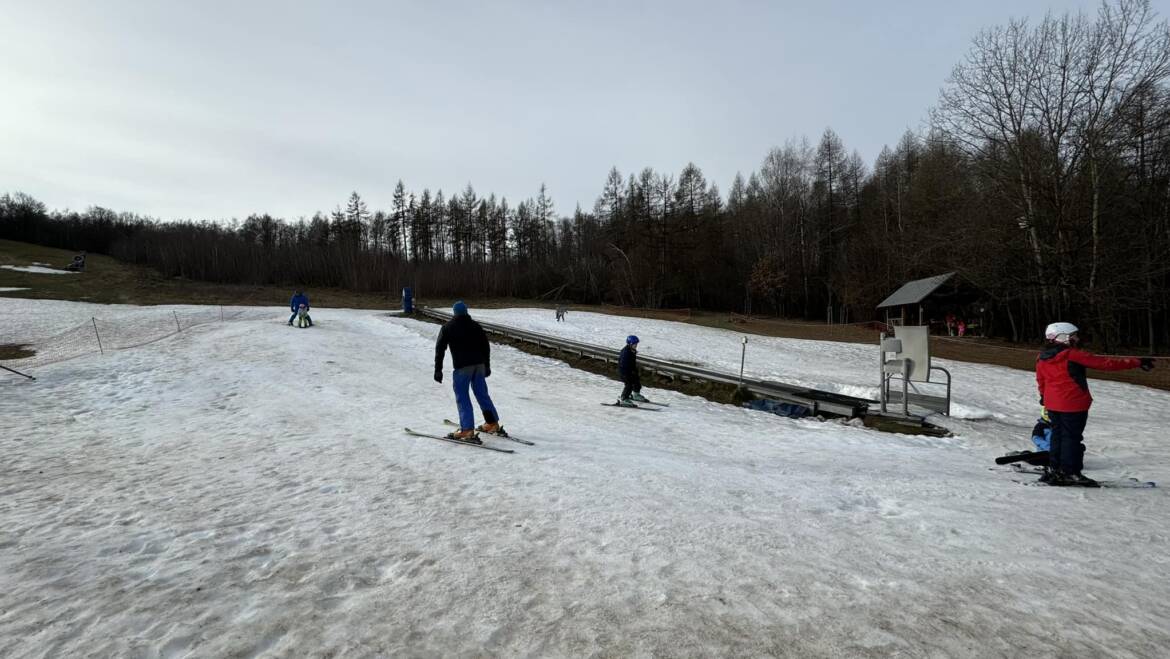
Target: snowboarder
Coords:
[[298, 299], [628, 369], [1064, 393], [471, 359]]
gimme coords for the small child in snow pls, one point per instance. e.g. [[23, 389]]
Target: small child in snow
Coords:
[[299, 299], [628, 369]]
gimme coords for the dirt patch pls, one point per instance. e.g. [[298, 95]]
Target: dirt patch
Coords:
[[15, 351]]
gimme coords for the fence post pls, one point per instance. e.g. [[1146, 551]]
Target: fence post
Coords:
[[742, 358], [13, 370], [99, 336], [177, 326]]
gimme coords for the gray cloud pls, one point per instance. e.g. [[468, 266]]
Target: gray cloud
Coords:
[[218, 109]]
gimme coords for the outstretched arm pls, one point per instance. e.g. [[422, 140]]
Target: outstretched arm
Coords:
[[1089, 360]]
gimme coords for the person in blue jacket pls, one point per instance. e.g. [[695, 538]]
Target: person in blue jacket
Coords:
[[628, 369], [471, 356], [297, 300]]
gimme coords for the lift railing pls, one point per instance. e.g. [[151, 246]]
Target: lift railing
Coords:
[[816, 401]]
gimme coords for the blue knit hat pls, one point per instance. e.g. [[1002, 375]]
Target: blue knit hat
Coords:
[[459, 309]]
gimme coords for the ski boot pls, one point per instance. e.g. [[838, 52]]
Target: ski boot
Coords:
[[468, 436], [493, 429], [1080, 480], [637, 397], [625, 402], [1047, 476]]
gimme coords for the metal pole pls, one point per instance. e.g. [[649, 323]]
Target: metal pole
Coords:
[[13, 370], [95, 333], [882, 370], [178, 328], [742, 358]]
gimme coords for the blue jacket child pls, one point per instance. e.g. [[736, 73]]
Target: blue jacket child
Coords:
[[297, 300], [1042, 434]]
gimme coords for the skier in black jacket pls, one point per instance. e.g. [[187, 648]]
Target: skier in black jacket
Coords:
[[628, 369], [471, 359]]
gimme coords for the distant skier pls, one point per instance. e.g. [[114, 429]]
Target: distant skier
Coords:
[[628, 369], [471, 359], [560, 312], [299, 298], [1064, 393]]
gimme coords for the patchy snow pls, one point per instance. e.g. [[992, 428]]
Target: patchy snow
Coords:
[[243, 488], [37, 269], [10, 289]]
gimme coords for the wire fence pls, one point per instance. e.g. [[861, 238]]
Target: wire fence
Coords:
[[102, 335]]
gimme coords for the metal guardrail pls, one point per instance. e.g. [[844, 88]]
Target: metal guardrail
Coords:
[[817, 401]]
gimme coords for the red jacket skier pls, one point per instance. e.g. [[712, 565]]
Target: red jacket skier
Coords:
[[1064, 392]]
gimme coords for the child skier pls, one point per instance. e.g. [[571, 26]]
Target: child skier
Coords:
[[1064, 393], [628, 369], [471, 359], [299, 298]]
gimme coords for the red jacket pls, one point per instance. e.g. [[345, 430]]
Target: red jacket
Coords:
[[1060, 375]]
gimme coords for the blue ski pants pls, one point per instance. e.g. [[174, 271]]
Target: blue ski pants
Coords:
[[475, 378]]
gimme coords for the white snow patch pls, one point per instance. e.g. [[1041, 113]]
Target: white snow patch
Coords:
[[10, 289], [244, 488], [37, 269]]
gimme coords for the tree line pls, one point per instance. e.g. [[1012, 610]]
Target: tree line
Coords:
[[1043, 178]]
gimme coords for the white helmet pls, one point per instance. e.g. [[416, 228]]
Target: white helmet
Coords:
[[1059, 332]]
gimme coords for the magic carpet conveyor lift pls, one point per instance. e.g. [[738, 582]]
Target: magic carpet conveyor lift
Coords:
[[816, 401]]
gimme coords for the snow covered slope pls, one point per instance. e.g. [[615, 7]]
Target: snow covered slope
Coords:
[[244, 488]]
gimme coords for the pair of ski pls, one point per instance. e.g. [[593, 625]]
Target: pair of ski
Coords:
[[449, 422], [1123, 482], [639, 407]]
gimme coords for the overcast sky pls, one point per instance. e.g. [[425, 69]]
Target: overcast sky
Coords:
[[214, 110]]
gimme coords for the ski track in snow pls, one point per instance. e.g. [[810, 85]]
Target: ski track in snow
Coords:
[[244, 489]]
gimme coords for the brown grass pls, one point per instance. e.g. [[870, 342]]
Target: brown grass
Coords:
[[109, 281]]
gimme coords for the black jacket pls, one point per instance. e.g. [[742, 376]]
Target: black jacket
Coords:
[[627, 363], [468, 342]]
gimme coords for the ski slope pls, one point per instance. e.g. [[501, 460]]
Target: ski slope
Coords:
[[244, 489]]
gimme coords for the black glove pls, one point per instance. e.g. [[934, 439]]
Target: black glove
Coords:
[[1147, 363], [487, 371], [439, 375]]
